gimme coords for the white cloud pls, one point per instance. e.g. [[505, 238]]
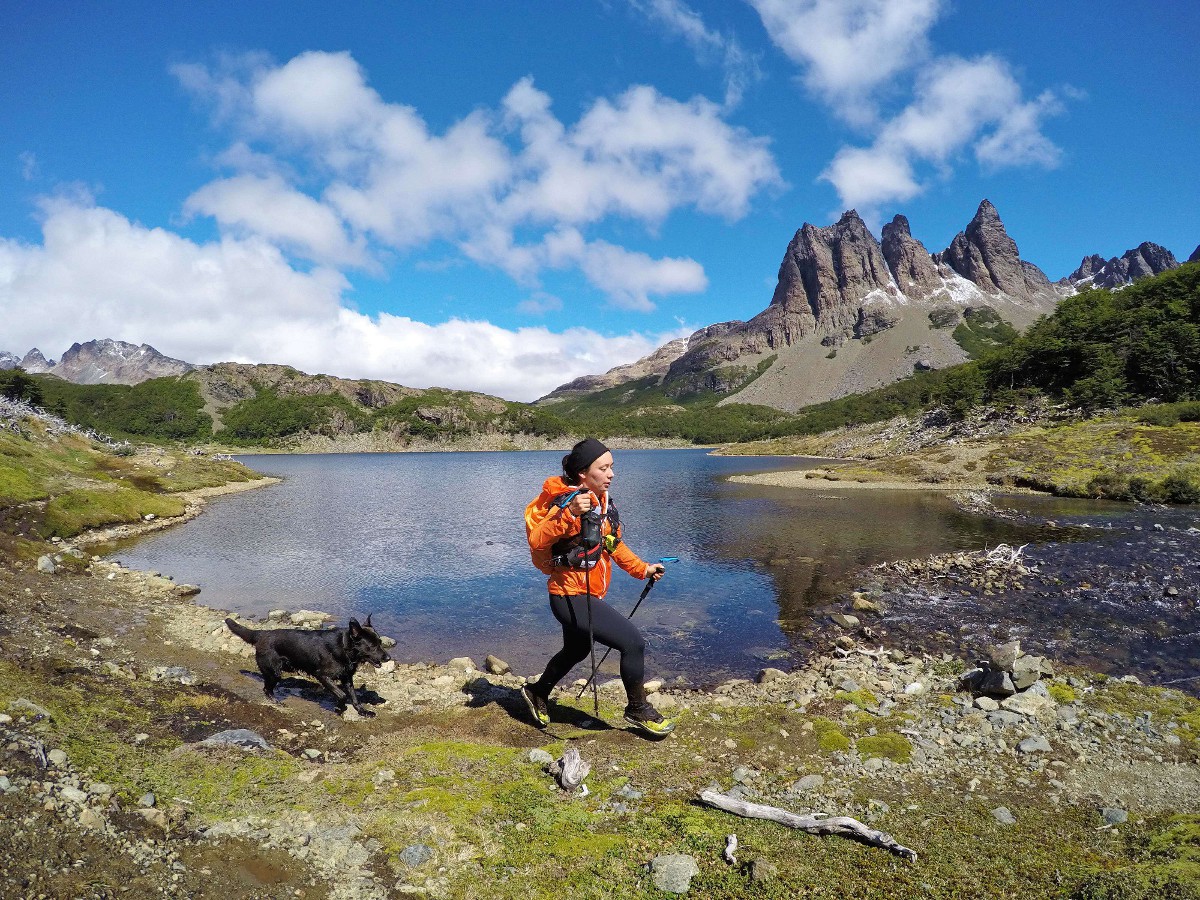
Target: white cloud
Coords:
[[849, 49], [374, 171], [858, 56], [740, 68], [540, 303], [957, 104], [268, 207], [29, 165], [96, 274]]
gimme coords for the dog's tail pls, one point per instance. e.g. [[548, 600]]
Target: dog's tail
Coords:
[[249, 635]]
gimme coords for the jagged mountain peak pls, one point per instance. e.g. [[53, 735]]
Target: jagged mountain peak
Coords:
[[843, 295], [1146, 259], [985, 254], [1195, 255], [35, 362], [105, 361]]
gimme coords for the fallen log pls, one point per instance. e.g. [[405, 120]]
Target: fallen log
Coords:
[[813, 823]]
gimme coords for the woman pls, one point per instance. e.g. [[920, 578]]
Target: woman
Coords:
[[574, 537]]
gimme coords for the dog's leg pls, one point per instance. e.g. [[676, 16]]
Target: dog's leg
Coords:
[[270, 670], [348, 687], [333, 689]]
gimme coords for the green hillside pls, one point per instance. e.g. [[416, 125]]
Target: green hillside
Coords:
[[1099, 349]]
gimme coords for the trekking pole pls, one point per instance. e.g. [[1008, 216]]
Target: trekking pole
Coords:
[[641, 597], [587, 581]]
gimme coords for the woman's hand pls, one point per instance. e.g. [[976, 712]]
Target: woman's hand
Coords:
[[580, 503], [655, 571]]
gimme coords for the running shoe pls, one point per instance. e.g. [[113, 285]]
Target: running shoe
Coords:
[[537, 707], [648, 720]]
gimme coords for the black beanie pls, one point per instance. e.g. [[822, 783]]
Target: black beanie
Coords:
[[581, 456]]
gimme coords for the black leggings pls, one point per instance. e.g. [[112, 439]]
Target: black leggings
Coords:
[[612, 629]]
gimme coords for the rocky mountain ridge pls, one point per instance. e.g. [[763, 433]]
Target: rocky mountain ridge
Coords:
[[102, 361], [850, 313]]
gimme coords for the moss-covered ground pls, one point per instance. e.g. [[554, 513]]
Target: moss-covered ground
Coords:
[[1114, 457], [58, 485]]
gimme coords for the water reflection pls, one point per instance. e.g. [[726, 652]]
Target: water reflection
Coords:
[[434, 546]]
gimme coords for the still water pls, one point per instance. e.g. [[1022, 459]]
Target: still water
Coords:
[[433, 545]]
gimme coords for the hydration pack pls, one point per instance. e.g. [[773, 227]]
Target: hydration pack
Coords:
[[583, 550]]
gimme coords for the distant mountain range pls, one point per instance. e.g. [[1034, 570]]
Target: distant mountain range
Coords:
[[851, 313], [101, 362]]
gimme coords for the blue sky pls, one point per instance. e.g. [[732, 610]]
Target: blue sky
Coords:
[[503, 196]]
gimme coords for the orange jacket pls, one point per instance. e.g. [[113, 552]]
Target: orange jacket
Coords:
[[546, 524]]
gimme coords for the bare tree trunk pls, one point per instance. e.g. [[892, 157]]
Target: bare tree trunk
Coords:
[[813, 823]]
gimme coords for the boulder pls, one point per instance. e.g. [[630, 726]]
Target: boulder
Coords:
[[768, 675], [997, 684], [673, 872], [1026, 670], [1004, 656], [496, 666]]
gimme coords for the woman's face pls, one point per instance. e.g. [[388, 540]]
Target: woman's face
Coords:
[[599, 475]]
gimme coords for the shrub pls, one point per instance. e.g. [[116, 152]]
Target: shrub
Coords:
[[1178, 487]]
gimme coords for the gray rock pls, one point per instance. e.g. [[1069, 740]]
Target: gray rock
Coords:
[[242, 738], [849, 685], [416, 855], [91, 819], [1039, 689], [73, 795], [768, 675], [673, 872], [171, 673], [462, 662], [741, 775], [496, 666], [28, 709], [1028, 704], [1034, 744], [305, 617], [874, 764], [1002, 815], [147, 800], [807, 783], [997, 684], [844, 620], [1004, 718], [761, 871], [1026, 671], [987, 704], [629, 792], [1004, 656], [1114, 816], [46, 564], [5, 784], [57, 757], [540, 757]]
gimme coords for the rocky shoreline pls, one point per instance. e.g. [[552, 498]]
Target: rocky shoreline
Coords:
[[873, 733]]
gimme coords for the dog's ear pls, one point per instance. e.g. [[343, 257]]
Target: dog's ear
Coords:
[[368, 622], [355, 628]]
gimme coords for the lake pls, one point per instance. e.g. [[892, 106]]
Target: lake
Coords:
[[433, 545]]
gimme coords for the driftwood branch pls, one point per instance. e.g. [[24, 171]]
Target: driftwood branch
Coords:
[[813, 823], [730, 849]]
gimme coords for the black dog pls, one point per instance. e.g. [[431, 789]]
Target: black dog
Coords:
[[330, 656]]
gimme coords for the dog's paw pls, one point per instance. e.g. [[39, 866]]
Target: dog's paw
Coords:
[[367, 713]]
